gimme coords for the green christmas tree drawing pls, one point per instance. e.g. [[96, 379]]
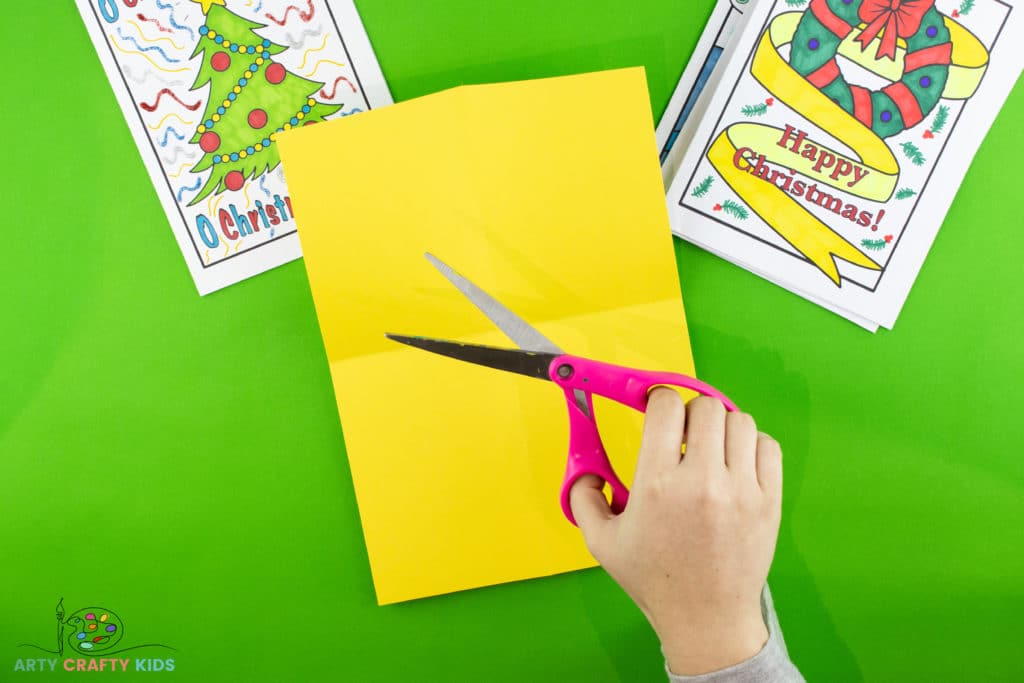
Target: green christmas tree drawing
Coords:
[[251, 98]]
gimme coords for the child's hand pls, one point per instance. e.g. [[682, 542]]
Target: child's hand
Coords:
[[694, 545]]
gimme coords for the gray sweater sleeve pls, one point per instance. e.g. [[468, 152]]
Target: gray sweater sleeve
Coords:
[[770, 665]]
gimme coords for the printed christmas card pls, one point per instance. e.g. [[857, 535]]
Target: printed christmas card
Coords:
[[833, 145], [205, 85]]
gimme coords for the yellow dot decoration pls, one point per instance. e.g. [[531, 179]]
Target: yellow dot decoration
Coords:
[[103, 618], [250, 74], [227, 103], [311, 101], [226, 45], [287, 126], [299, 116], [259, 61], [258, 147], [201, 128], [226, 158], [215, 117], [211, 34], [243, 154], [237, 89]]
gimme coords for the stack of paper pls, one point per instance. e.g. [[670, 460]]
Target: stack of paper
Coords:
[[820, 144], [552, 202]]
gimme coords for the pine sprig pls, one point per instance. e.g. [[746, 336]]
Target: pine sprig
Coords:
[[905, 193], [939, 122], [913, 153], [966, 6], [735, 209], [796, 3], [703, 187], [873, 245], [754, 109]]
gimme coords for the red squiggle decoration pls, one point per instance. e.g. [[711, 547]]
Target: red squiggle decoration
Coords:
[[334, 89], [163, 29], [305, 16], [167, 91]]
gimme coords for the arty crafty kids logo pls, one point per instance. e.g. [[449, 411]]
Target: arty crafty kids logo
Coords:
[[93, 639]]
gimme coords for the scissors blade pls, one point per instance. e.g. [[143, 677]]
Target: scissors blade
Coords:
[[524, 335], [523, 362]]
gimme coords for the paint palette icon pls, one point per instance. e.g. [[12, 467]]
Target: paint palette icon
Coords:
[[94, 630]]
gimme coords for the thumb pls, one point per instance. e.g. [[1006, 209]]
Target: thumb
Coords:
[[592, 512]]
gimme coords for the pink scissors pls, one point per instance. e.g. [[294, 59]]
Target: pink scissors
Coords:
[[578, 377]]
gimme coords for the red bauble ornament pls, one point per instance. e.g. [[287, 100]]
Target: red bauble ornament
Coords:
[[717, 207], [234, 180], [220, 61], [276, 73], [209, 141], [257, 118], [770, 101], [888, 239]]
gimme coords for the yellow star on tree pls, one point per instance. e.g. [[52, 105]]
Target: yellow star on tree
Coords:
[[209, 3]]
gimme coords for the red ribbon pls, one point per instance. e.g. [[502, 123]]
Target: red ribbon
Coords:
[[899, 18]]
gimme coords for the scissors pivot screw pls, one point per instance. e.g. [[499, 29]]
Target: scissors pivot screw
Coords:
[[565, 371]]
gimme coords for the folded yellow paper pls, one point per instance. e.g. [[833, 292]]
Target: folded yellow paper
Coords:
[[548, 195]]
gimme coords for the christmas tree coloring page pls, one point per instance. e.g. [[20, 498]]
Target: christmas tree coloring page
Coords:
[[835, 140], [205, 85]]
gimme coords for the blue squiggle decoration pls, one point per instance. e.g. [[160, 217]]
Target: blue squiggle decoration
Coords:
[[171, 131], [259, 4], [263, 179], [185, 188], [353, 110], [167, 5], [134, 42]]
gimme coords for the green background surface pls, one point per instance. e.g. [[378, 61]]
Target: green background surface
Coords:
[[180, 459]]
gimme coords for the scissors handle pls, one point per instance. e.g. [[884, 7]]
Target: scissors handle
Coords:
[[627, 386]]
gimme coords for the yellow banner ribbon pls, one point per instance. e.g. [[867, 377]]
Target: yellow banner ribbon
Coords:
[[742, 151]]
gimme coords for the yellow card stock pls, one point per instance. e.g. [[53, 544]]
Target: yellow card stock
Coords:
[[547, 194]]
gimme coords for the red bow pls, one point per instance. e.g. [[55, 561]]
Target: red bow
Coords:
[[898, 18]]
